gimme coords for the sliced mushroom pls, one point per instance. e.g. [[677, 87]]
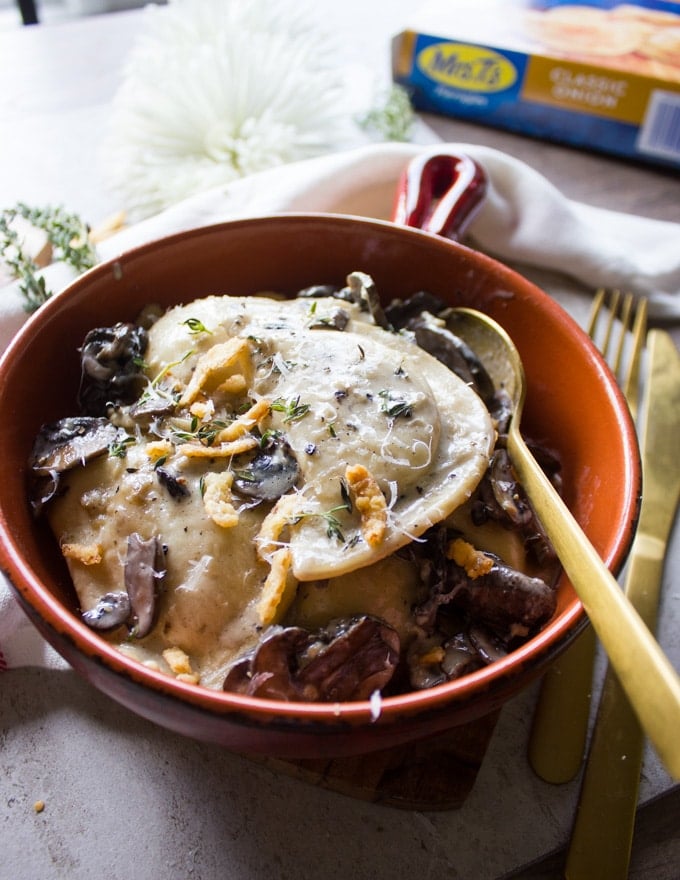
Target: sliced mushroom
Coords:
[[176, 485], [70, 442], [506, 489], [439, 341], [111, 611], [460, 657], [488, 645], [512, 603], [271, 473], [401, 311], [501, 498], [153, 404], [439, 658], [111, 371], [363, 292], [348, 660], [144, 573], [66, 444], [269, 670]]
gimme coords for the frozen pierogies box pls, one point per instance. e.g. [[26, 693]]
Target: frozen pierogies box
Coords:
[[598, 75]]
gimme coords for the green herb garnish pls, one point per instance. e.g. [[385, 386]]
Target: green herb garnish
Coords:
[[293, 410], [68, 235], [393, 407], [333, 527], [205, 433], [195, 325], [118, 449]]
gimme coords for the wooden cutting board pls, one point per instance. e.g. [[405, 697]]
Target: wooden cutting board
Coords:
[[436, 773]]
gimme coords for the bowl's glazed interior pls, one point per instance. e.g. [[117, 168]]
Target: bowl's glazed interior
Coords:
[[573, 406]]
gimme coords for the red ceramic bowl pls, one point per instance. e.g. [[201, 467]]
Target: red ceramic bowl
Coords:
[[573, 405]]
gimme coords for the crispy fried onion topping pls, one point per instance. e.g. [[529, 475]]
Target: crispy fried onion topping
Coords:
[[370, 502]]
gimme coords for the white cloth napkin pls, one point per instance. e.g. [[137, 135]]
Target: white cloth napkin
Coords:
[[525, 220]]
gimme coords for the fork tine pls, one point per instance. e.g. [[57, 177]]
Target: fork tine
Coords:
[[607, 306], [630, 383], [624, 317]]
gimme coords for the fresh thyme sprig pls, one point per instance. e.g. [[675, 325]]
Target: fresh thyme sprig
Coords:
[[333, 527], [118, 449], [206, 433], [293, 410], [66, 232]]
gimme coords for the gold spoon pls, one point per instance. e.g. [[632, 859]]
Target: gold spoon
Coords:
[[644, 671]]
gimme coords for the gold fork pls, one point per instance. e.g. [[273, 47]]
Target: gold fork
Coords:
[[610, 784], [557, 741]]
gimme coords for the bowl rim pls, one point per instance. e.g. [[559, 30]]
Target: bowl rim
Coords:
[[556, 635]]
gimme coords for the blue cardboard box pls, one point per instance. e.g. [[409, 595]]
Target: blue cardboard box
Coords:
[[598, 75]]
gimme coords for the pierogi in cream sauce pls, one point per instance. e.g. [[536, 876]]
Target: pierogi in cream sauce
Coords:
[[263, 452]]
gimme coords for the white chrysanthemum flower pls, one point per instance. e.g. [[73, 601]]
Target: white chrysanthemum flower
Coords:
[[217, 89]]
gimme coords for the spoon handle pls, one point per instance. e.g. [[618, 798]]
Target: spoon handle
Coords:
[[645, 673]]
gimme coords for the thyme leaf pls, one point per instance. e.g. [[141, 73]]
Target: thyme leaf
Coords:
[[393, 406], [333, 525], [195, 326], [205, 433], [293, 410], [118, 449]]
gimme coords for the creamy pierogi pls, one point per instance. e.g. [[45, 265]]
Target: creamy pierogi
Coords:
[[304, 499], [274, 444]]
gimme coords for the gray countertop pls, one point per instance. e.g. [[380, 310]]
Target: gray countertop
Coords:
[[125, 799]]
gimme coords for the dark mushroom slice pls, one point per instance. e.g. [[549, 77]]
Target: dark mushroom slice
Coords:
[[488, 645], [500, 497], [363, 292], [269, 669], [507, 491], [71, 442], [271, 473], [512, 603], [439, 658], [111, 361], [152, 404], [460, 657], [111, 611], [500, 408], [175, 484], [144, 573], [429, 555], [66, 444], [442, 343], [400, 312], [423, 661], [347, 660]]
